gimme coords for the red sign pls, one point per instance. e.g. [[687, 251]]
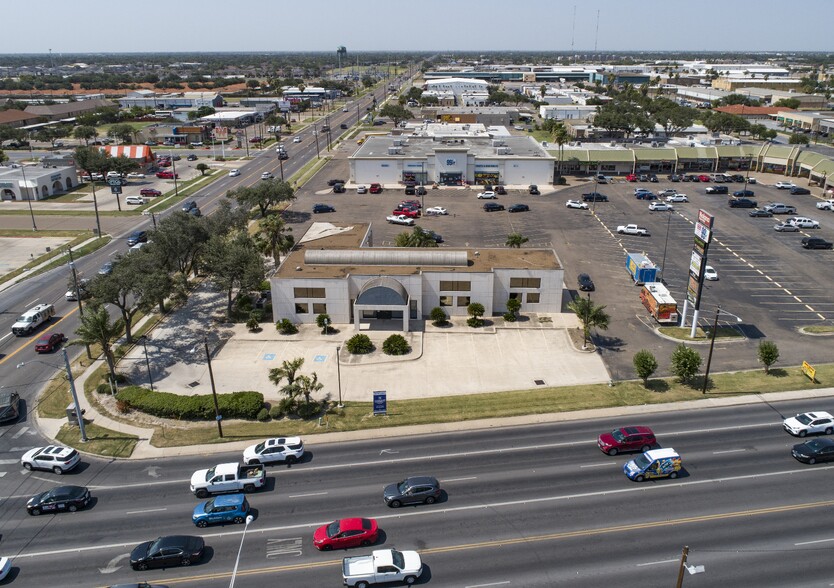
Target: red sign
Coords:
[[705, 218]]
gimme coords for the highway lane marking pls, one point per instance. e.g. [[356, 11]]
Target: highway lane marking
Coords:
[[523, 540], [309, 494], [598, 465], [28, 341], [634, 487], [130, 512], [812, 542], [654, 563], [728, 451], [459, 479], [33, 302], [491, 584]]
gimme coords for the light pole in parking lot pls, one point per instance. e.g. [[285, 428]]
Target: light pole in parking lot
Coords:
[[174, 171], [217, 414], [665, 245], [144, 340], [712, 344], [249, 519], [74, 394], [29, 199], [339, 375]]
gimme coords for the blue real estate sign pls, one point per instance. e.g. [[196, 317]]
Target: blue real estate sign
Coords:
[[380, 403]]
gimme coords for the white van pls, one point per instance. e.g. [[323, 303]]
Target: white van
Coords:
[[139, 200]]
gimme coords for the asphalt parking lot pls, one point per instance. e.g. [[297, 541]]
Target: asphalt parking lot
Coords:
[[765, 277]]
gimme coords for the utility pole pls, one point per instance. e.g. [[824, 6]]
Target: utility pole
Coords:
[[682, 566], [217, 414]]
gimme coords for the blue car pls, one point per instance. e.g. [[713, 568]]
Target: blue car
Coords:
[[230, 508]]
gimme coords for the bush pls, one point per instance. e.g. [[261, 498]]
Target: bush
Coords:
[[323, 322], [396, 345], [263, 415], [103, 388], [237, 405], [359, 344], [121, 378], [768, 354], [645, 365], [256, 314], [276, 412], [509, 317], [244, 304], [307, 411], [285, 327], [474, 322], [685, 363], [253, 325], [438, 316]]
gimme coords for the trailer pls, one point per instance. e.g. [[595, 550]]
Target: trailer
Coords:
[[641, 268], [659, 302]]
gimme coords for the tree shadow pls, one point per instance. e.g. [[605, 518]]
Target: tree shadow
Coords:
[[657, 386], [295, 216], [609, 343], [777, 372]]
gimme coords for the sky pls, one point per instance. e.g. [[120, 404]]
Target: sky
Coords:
[[99, 26]]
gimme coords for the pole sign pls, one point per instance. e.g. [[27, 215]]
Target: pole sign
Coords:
[[698, 259], [380, 403], [115, 189]]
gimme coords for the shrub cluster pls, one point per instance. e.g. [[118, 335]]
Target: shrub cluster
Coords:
[[359, 344], [286, 327], [237, 405], [396, 345]]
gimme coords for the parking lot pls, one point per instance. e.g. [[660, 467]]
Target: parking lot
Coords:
[[765, 277]]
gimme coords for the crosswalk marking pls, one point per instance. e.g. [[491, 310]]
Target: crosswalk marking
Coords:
[[9, 461], [20, 433], [3, 474]]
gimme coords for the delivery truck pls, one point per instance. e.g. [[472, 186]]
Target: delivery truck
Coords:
[[641, 268], [659, 302], [655, 463]]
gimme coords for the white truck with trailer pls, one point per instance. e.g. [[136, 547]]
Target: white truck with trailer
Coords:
[[383, 565], [227, 477]]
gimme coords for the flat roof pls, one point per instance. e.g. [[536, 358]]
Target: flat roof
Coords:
[[419, 147], [350, 236]]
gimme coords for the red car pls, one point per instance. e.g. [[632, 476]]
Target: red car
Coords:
[[164, 163], [255, 140], [703, 178], [49, 343], [167, 175], [346, 533], [375, 188], [626, 439], [631, 178], [149, 192], [407, 211]]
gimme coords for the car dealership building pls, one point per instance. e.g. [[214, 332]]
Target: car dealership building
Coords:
[[335, 270]]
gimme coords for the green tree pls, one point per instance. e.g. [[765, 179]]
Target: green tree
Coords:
[[792, 103], [418, 237], [396, 344], [233, 263], [560, 137], [121, 288], [395, 112], [513, 306], [273, 237], [645, 365], [51, 134], [798, 139], [3, 157], [202, 168], [288, 373], [308, 385], [590, 315], [96, 329], [516, 240], [323, 322], [84, 133], [438, 316], [122, 164], [122, 131], [92, 160], [263, 194], [476, 310], [179, 239], [768, 354], [685, 363]]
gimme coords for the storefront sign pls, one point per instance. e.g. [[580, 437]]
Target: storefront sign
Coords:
[[702, 232], [380, 403]]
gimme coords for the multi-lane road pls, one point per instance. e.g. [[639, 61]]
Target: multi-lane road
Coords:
[[527, 506]]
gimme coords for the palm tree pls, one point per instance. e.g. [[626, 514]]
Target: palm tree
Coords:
[[560, 137], [96, 329], [288, 371], [589, 315], [307, 385], [516, 240], [417, 238], [272, 237]]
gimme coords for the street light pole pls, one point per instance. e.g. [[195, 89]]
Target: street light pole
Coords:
[[95, 205], [28, 200], [249, 519], [665, 245], [711, 345], [174, 171], [147, 361], [217, 414], [339, 376]]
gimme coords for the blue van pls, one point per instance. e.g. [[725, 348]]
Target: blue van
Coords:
[[229, 508]]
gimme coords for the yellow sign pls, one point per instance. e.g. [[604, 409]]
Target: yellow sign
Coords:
[[809, 371]]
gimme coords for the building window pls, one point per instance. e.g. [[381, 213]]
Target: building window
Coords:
[[525, 282], [463, 300], [515, 295], [446, 300], [533, 297], [301, 308], [309, 293], [319, 308], [451, 286]]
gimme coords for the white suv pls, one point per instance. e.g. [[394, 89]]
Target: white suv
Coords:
[[803, 222], [784, 185], [809, 422], [278, 449], [53, 458], [140, 200]]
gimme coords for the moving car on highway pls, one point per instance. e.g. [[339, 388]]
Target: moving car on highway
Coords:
[[413, 490], [809, 423], [166, 552], [814, 450], [230, 508], [54, 458], [344, 533], [636, 438], [61, 498], [278, 449]]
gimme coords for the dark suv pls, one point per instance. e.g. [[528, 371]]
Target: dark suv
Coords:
[[594, 197], [493, 207], [816, 243], [414, 490], [137, 237], [9, 406], [742, 203]]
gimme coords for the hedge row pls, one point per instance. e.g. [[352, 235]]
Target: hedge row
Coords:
[[237, 405]]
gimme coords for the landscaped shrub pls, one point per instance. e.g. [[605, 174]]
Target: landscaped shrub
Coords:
[[276, 412], [237, 405], [396, 345], [509, 317], [121, 378], [438, 316], [103, 388], [263, 415], [306, 411], [286, 327], [359, 344]]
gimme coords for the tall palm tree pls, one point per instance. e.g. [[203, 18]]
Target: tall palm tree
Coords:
[[289, 372], [560, 137], [308, 385], [416, 238], [272, 237], [589, 315], [96, 329], [516, 240]]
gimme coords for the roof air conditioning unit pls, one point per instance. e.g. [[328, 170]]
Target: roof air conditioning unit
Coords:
[[503, 151], [393, 151]]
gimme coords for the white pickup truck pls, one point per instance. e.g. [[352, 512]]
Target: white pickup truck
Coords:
[[400, 219], [227, 477], [383, 565], [826, 204], [32, 319], [633, 230]]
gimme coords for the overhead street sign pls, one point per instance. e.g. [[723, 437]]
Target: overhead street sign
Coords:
[[114, 181]]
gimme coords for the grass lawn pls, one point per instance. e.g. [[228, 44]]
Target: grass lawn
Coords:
[[818, 329], [682, 333], [100, 441]]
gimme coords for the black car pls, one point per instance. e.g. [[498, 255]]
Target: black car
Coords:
[[166, 552], [188, 205], [283, 155], [761, 213], [318, 208], [816, 243], [438, 238], [334, 182], [58, 499], [653, 178], [673, 178], [410, 190], [9, 406], [821, 449], [493, 206], [518, 208], [796, 190], [421, 191], [343, 126], [533, 189], [191, 157], [195, 212], [338, 188], [586, 284], [137, 237], [742, 203], [737, 178], [717, 190], [414, 490], [743, 193], [500, 190], [645, 195], [594, 197]]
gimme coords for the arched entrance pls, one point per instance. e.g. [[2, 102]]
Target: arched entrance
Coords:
[[69, 183], [381, 298], [44, 191], [7, 194], [57, 186]]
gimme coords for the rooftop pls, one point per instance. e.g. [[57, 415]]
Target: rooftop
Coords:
[[420, 147]]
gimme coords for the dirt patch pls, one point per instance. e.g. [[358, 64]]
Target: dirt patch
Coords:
[[577, 339]]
